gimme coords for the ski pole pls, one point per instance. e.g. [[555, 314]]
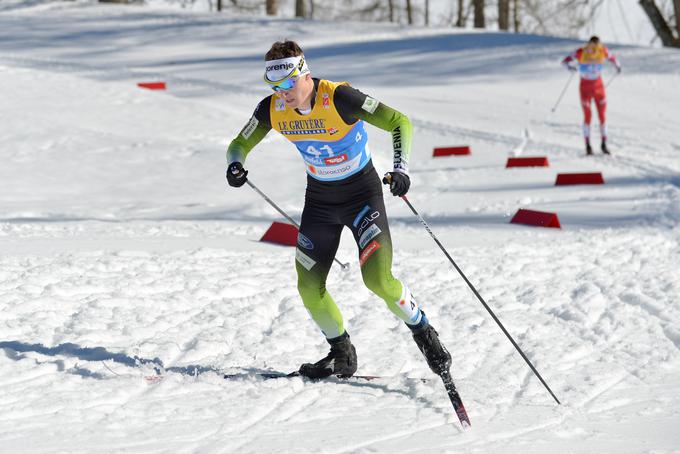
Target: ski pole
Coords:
[[345, 266], [611, 80], [571, 76], [479, 297]]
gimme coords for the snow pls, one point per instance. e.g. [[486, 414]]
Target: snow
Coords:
[[123, 251]]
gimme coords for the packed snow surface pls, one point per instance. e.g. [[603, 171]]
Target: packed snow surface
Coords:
[[132, 278]]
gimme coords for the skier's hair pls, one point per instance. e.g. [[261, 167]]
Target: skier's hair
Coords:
[[283, 49], [594, 39]]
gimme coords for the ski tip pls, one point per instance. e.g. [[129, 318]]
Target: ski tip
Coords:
[[463, 417]]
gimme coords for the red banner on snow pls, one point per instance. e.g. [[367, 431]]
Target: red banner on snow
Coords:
[[281, 233], [535, 161], [152, 85], [449, 151], [536, 218], [579, 178]]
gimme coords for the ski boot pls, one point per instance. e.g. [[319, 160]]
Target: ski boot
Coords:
[[604, 148], [341, 361], [438, 358], [589, 149]]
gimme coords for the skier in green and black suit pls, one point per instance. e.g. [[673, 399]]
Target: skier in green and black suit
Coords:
[[325, 121]]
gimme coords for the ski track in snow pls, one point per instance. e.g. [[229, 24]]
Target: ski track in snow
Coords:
[[104, 284]]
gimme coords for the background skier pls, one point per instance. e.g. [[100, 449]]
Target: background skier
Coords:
[[590, 60]]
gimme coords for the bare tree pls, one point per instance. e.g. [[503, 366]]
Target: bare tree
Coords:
[[460, 22], [390, 5], [504, 14], [300, 8], [515, 15], [659, 22], [272, 7], [409, 12], [427, 12], [676, 6], [479, 13]]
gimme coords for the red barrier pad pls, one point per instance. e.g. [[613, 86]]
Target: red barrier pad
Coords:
[[281, 233], [537, 161], [537, 218], [579, 178], [448, 151], [152, 85]]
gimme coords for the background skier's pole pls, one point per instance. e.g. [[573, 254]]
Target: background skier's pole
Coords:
[[571, 76], [345, 266], [612, 79], [479, 297]]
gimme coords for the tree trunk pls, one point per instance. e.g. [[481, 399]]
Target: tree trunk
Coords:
[[676, 6], [504, 14], [409, 12], [660, 25], [390, 4], [299, 8], [515, 15], [219, 5], [460, 22], [271, 7], [479, 14], [427, 12]]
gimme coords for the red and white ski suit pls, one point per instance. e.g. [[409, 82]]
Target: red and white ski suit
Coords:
[[591, 60]]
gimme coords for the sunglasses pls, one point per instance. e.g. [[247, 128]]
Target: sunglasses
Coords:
[[285, 84]]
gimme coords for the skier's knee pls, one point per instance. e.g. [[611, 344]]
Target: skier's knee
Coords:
[[383, 287]]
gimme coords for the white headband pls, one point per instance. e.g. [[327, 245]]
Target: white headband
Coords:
[[283, 68]]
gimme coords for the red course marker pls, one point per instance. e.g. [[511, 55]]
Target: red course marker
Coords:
[[537, 161], [448, 151], [537, 218], [579, 178], [152, 85], [281, 233]]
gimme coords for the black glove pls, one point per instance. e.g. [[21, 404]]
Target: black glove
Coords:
[[399, 183], [236, 174]]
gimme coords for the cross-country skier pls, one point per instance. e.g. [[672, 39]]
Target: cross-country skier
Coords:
[[325, 121], [590, 60]]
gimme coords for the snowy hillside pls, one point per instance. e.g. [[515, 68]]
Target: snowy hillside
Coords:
[[123, 252]]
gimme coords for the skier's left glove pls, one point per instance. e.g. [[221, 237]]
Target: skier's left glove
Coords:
[[236, 174], [618, 69], [399, 183]]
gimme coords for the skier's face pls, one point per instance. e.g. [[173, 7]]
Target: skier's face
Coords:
[[591, 48], [299, 94]]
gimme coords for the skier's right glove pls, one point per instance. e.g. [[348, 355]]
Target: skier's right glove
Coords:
[[236, 174], [571, 68]]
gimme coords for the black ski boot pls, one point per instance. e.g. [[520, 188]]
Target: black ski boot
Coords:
[[604, 148], [341, 361], [438, 358], [589, 149]]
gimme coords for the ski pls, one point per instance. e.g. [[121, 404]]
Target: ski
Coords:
[[278, 375], [456, 400]]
